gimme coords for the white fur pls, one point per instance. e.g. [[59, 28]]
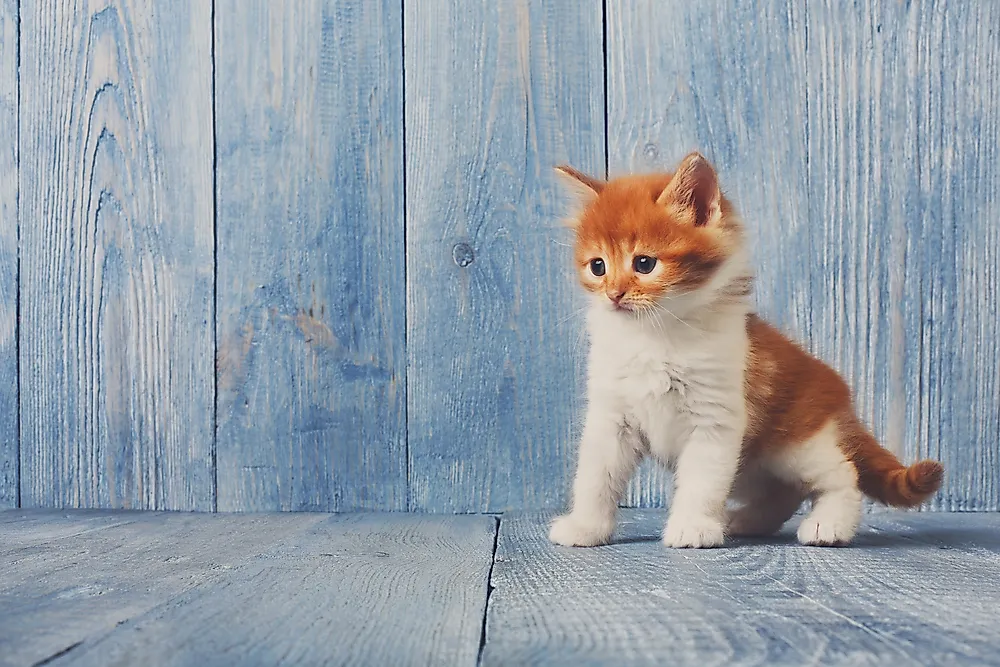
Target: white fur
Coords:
[[668, 385], [820, 466]]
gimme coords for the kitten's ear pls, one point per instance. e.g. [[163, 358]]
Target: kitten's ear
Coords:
[[693, 193], [587, 186]]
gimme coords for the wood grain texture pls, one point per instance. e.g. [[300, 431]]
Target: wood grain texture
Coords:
[[75, 578], [116, 247], [8, 254], [904, 189], [350, 590], [861, 148], [311, 264], [32, 527], [970, 532], [497, 94], [886, 600]]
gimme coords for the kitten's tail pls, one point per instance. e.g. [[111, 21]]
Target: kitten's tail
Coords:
[[880, 474]]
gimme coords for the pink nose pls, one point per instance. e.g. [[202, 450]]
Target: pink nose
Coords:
[[616, 296]]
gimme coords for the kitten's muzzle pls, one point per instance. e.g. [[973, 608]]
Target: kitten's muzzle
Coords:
[[616, 301]]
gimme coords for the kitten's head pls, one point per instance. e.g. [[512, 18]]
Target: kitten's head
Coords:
[[643, 240]]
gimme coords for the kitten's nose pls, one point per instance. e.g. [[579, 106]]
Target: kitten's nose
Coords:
[[616, 296]]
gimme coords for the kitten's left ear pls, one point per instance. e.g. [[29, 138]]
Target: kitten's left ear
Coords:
[[693, 193], [579, 181]]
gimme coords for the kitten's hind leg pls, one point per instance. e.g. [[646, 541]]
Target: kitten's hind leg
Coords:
[[832, 481], [767, 505]]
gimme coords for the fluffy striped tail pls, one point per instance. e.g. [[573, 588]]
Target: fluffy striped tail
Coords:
[[882, 477]]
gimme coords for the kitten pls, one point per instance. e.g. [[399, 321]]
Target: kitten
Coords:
[[680, 369]]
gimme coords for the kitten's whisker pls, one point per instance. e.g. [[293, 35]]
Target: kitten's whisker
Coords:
[[575, 313], [671, 314], [669, 297], [650, 312]]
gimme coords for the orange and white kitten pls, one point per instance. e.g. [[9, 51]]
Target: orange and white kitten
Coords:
[[681, 369]]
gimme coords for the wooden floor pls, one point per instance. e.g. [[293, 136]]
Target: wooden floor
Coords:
[[122, 588]]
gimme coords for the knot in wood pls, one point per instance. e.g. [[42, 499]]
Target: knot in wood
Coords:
[[463, 254]]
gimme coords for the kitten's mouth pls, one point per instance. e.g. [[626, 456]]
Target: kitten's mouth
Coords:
[[622, 307]]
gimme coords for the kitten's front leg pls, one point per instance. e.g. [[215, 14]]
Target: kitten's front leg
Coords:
[[609, 453], [703, 478]]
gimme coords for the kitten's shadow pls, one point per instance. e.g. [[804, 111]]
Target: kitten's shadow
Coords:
[[636, 539], [939, 539], [730, 543]]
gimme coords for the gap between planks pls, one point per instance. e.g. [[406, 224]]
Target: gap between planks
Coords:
[[489, 587]]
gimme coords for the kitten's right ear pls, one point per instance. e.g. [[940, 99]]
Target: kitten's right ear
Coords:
[[587, 186], [693, 193]]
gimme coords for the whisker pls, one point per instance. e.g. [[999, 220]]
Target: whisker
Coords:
[[575, 313], [670, 312], [646, 312], [679, 294], [648, 315]]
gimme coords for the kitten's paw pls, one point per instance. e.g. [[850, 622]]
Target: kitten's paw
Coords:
[[826, 531], [572, 531], [695, 531]]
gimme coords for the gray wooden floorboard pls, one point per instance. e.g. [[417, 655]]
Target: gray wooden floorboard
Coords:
[[29, 527], [891, 598], [123, 588], [64, 581], [390, 589], [972, 532]]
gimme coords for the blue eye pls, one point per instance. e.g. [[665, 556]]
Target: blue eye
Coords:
[[643, 264], [597, 267]]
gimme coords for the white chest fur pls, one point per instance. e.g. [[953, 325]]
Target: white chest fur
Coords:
[[664, 377], [670, 388]]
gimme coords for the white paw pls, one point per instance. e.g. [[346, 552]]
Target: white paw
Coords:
[[693, 530], [572, 531], [826, 531]]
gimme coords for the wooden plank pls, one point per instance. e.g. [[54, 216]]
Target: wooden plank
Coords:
[[887, 599], [116, 237], [30, 527], [77, 587], [904, 192], [971, 532], [8, 253], [352, 590], [497, 94], [311, 264], [726, 79]]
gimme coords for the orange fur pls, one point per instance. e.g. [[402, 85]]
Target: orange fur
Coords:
[[633, 216], [790, 395], [684, 222]]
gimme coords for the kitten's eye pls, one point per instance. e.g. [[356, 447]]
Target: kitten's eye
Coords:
[[597, 267], [643, 263]]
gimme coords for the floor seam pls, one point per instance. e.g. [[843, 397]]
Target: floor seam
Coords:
[[57, 655], [489, 590]]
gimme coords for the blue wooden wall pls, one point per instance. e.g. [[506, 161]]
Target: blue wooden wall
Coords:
[[264, 255]]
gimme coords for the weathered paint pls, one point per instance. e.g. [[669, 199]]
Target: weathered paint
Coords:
[[116, 254], [496, 95], [311, 312], [8, 254], [387, 318]]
